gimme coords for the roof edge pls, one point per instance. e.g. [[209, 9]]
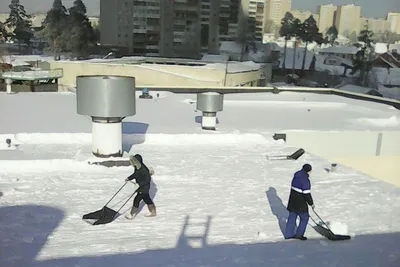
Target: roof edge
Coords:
[[272, 89]]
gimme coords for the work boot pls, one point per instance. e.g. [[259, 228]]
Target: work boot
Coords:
[[132, 213], [152, 209]]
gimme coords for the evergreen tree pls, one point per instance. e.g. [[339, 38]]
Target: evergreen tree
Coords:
[[286, 31], [296, 32], [19, 23], [331, 35], [363, 59], [55, 24], [80, 33], [308, 34]]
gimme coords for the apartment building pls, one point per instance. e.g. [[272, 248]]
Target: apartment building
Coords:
[[219, 22], [255, 15], [348, 19], [375, 25], [394, 22], [303, 15], [276, 10], [179, 28], [326, 17]]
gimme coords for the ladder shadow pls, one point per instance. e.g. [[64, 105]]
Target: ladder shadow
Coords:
[[196, 240]]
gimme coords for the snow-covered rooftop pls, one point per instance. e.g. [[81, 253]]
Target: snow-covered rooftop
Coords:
[[215, 58], [219, 201], [297, 111], [340, 50]]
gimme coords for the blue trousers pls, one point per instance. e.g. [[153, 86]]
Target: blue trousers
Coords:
[[290, 230]]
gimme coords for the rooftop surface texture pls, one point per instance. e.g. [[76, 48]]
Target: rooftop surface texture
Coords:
[[220, 202]]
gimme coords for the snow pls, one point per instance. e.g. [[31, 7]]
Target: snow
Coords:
[[319, 61], [394, 47], [33, 75], [22, 60], [338, 228], [219, 201], [388, 92], [297, 111], [381, 48], [387, 76], [215, 58], [393, 121], [233, 67], [340, 50]]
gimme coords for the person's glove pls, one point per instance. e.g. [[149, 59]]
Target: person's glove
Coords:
[[313, 206]]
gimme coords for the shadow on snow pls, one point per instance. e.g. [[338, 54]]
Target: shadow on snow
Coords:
[[25, 229]]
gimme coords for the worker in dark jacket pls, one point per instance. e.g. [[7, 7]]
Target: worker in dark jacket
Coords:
[[142, 175], [299, 199]]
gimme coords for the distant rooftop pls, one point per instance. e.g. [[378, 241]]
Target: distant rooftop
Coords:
[[208, 61], [340, 50]]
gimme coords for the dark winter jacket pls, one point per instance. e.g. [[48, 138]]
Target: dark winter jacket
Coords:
[[142, 176], [300, 193]]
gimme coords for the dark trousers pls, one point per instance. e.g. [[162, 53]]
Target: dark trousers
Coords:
[[142, 196], [291, 224]]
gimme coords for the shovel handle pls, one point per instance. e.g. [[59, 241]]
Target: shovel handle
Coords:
[[321, 220], [116, 193]]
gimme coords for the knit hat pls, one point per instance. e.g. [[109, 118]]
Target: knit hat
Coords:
[[307, 167]]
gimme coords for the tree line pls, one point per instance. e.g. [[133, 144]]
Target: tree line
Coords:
[[64, 30], [308, 32]]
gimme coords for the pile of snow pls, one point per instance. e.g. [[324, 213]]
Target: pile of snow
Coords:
[[51, 165], [338, 228], [381, 48], [196, 139], [393, 121], [148, 139], [48, 138], [6, 147]]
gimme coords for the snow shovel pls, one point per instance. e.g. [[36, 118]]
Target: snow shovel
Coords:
[[106, 214], [295, 156], [326, 231]]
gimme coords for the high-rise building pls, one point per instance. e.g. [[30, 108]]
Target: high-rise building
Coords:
[[219, 22], [170, 28], [116, 24], [303, 15], [256, 16], [276, 10], [326, 18], [375, 25], [348, 19], [394, 21]]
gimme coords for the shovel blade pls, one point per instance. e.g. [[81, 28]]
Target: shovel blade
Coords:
[[102, 216]]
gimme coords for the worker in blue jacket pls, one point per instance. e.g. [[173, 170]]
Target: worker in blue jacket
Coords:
[[299, 199]]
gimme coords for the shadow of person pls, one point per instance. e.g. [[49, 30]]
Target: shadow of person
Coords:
[[277, 208]]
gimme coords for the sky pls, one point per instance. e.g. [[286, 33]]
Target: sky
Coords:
[[369, 8]]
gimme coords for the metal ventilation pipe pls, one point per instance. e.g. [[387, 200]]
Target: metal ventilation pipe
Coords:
[[108, 100], [209, 103]]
